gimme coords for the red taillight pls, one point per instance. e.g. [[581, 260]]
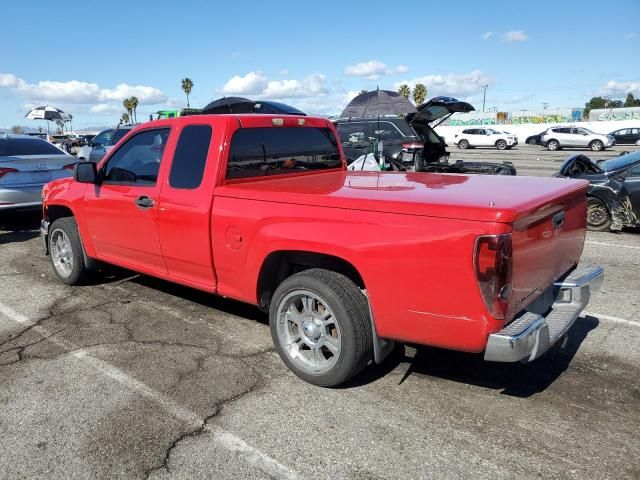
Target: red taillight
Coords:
[[413, 145], [70, 166], [4, 171], [493, 264]]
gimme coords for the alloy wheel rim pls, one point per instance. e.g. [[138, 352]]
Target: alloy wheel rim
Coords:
[[61, 253], [308, 332]]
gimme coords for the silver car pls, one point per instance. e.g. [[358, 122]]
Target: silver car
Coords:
[[575, 137], [102, 143], [26, 164]]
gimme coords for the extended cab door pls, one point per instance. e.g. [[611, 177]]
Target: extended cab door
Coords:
[[121, 210], [184, 210]]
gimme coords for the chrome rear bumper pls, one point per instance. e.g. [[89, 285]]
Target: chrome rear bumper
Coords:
[[531, 335]]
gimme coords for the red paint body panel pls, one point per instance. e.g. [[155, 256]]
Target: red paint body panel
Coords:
[[410, 236]]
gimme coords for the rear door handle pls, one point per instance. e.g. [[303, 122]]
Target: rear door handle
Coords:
[[144, 202], [558, 220]]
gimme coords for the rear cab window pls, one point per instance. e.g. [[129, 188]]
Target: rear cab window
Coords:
[[190, 157], [265, 151]]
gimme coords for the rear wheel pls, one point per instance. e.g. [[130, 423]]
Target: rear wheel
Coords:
[[596, 145], [463, 144], [321, 327], [501, 144], [553, 145], [598, 216], [66, 252]]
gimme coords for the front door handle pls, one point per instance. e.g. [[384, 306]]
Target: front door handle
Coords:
[[144, 202]]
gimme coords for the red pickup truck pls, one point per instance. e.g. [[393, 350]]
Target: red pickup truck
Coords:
[[261, 208]]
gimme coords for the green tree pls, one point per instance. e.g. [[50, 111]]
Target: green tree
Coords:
[[17, 129], [126, 103], [187, 85], [404, 90], [134, 107], [600, 102], [419, 94]]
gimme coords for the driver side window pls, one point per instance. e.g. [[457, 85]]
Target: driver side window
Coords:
[[138, 160], [102, 138]]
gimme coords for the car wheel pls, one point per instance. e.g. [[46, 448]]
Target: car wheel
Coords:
[[65, 250], [501, 145], [531, 141], [463, 144], [598, 216], [553, 145], [596, 145], [321, 327]]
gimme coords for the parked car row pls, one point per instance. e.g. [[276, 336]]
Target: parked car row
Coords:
[[555, 138]]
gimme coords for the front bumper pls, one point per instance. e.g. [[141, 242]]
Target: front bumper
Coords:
[[531, 335]]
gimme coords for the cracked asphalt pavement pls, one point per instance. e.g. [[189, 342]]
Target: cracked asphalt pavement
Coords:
[[132, 377]]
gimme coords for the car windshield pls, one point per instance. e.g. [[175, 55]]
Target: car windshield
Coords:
[[117, 135], [29, 146], [620, 162], [489, 130], [591, 132]]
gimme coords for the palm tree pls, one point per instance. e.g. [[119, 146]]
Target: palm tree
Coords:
[[404, 90], [134, 106], [126, 103], [187, 85], [124, 119], [419, 93], [17, 129]]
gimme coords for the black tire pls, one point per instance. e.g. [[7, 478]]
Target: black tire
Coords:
[[598, 215], [463, 144], [531, 141], [78, 271], [596, 146], [501, 145], [553, 145], [351, 312]]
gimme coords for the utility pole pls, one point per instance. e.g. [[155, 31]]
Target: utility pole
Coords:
[[484, 96]]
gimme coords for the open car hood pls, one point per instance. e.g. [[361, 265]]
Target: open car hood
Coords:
[[438, 107], [579, 165]]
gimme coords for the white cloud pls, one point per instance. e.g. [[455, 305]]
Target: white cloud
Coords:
[[620, 89], [77, 92], [311, 86], [250, 84], [451, 84], [487, 35], [373, 69], [514, 36], [106, 109], [630, 35]]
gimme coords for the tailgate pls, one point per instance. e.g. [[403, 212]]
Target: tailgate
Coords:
[[546, 244]]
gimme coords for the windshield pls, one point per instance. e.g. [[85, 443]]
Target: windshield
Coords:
[[620, 162], [589, 131], [117, 135], [256, 152]]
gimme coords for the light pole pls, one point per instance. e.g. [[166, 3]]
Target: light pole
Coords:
[[484, 96]]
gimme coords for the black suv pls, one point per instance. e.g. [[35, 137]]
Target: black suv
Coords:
[[409, 143]]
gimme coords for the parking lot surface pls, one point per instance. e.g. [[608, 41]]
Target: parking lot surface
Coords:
[[133, 377]]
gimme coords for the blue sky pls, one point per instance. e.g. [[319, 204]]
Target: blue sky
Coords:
[[313, 55]]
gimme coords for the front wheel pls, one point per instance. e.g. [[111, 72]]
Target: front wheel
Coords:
[[66, 252], [596, 145], [463, 144], [321, 327], [532, 141], [501, 145], [598, 216]]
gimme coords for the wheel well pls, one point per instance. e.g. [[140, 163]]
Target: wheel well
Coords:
[[596, 140], [282, 264], [500, 140], [55, 212]]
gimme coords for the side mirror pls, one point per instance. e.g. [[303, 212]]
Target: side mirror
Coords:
[[85, 172]]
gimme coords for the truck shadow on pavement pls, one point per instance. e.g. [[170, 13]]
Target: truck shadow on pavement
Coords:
[[513, 379], [19, 226]]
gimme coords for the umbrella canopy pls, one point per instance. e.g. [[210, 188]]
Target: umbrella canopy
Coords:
[[46, 112], [229, 105], [378, 102]]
